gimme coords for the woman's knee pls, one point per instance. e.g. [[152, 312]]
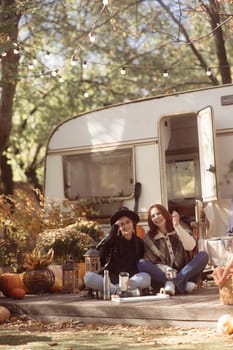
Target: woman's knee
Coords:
[[89, 279], [142, 265], [140, 280], [146, 280]]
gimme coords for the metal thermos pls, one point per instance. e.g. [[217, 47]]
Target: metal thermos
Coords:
[[107, 293], [123, 281]]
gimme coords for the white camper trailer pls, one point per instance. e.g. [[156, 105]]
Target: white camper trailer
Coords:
[[174, 149]]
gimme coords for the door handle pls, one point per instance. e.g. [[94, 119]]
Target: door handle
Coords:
[[211, 169]]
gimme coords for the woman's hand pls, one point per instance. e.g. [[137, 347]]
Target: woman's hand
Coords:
[[175, 218]]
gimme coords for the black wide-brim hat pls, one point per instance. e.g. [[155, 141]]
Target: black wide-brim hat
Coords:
[[125, 212]]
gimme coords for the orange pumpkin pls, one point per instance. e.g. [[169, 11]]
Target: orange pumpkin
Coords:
[[8, 281], [17, 293]]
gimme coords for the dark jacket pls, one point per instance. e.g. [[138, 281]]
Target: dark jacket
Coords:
[[118, 254]]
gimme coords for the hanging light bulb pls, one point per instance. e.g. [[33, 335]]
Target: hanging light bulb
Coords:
[[35, 62], [30, 66], [47, 54], [85, 94], [165, 73], [91, 37], [123, 71], [84, 64], [208, 72], [54, 73], [61, 80], [73, 61], [16, 51], [4, 53], [42, 73], [16, 48], [105, 2]]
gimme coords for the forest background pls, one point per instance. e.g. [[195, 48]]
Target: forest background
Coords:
[[62, 58]]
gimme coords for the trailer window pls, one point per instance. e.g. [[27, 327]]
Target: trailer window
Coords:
[[99, 174], [183, 179]]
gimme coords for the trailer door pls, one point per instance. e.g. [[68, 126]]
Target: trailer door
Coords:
[[207, 154]]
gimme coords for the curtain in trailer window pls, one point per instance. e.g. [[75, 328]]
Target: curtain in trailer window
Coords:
[[99, 174], [182, 179]]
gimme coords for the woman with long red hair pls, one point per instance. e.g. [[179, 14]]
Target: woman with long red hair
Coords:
[[168, 248]]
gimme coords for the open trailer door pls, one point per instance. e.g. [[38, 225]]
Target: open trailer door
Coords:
[[206, 136]]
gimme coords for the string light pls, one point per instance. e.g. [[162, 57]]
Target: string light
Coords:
[[16, 51], [91, 37], [73, 62], [123, 70], [54, 73], [208, 72], [86, 94]]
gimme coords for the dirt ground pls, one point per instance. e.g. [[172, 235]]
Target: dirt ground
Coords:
[[31, 335]]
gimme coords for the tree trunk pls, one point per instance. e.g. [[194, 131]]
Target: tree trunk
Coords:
[[8, 71], [213, 11], [7, 185]]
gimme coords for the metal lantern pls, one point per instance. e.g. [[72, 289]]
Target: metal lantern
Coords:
[[70, 276], [92, 259]]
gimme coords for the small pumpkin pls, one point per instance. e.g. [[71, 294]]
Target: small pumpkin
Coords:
[[4, 314], [17, 293], [225, 324], [8, 281]]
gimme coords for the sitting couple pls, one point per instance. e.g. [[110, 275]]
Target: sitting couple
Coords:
[[166, 244]]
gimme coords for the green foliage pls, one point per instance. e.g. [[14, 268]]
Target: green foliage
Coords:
[[25, 217], [146, 37], [71, 241]]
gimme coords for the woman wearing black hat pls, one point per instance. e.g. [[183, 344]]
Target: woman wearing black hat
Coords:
[[120, 251]]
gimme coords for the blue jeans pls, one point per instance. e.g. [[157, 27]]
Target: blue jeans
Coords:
[[190, 272], [94, 281]]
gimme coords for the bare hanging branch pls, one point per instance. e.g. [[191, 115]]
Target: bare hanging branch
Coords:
[[195, 51]]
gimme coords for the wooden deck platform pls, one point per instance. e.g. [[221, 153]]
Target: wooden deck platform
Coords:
[[200, 309]]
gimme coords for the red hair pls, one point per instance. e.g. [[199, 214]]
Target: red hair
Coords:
[[153, 228]]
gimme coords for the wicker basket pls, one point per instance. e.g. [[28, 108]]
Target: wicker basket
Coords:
[[38, 281], [226, 292]]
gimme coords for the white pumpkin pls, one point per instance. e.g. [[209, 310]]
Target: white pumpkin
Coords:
[[225, 324], [4, 314]]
